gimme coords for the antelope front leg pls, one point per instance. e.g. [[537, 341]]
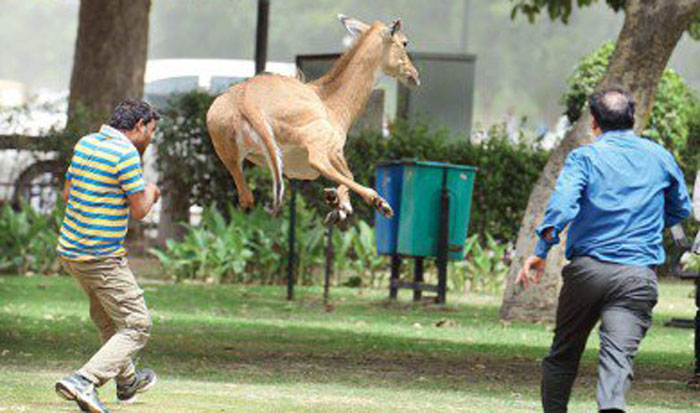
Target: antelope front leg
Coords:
[[339, 200], [322, 164]]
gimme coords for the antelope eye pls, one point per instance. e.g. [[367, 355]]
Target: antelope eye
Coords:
[[405, 43]]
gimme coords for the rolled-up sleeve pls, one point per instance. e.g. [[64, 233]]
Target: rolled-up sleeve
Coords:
[[677, 206]]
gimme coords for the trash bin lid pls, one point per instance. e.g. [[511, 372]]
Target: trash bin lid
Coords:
[[431, 164]]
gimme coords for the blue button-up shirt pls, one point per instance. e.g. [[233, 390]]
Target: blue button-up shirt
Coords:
[[618, 193]]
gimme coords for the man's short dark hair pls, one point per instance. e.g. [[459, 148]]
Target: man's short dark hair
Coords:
[[128, 113], [613, 108]]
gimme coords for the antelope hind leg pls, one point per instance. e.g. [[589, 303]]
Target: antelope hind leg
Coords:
[[245, 195]]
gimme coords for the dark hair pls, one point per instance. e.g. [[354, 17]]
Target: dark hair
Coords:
[[613, 108], [128, 113]]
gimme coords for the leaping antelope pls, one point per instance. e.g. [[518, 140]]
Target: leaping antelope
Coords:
[[299, 129]]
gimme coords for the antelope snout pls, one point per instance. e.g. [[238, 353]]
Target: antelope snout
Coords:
[[413, 80]]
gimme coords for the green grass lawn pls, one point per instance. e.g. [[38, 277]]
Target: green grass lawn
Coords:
[[245, 348]]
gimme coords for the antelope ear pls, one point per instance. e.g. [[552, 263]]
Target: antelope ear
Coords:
[[353, 26], [395, 26]]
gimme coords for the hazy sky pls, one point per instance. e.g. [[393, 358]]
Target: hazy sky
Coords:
[[521, 67]]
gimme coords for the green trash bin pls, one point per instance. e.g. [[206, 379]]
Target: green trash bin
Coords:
[[419, 223]]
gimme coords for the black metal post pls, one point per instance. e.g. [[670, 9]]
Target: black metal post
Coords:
[[443, 240], [261, 35], [329, 263], [697, 326], [394, 280], [291, 263], [417, 278]]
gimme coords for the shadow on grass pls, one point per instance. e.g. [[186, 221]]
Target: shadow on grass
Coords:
[[252, 335], [272, 353]]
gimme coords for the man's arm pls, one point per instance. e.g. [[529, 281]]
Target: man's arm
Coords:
[[141, 196], [677, 204], [563, 207], [141, 202], [66, 191]]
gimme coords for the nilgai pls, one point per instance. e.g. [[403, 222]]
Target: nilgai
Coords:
[[299, 129]]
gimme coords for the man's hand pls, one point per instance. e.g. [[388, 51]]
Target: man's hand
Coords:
[[533, 262], [140, 203], [154, 189]]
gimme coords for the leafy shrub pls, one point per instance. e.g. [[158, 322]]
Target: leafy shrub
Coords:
[[364, 246], [674, 106], [214, 251], [506, 174], [674, 121], [506, 171], [484, 268], [28, 240], [245, 247], [186, 159]]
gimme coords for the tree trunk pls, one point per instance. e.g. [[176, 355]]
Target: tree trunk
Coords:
[[651, 31], [174, 211], [110, 60]]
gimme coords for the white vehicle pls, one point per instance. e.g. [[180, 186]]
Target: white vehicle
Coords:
[[165, 77], [26, 174]]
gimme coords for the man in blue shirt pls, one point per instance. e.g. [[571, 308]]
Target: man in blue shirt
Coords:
[[618, 193]]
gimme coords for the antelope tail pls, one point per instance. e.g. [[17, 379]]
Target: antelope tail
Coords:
[[271, 152]]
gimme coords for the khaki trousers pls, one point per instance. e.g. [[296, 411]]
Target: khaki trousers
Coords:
[[118, 309]]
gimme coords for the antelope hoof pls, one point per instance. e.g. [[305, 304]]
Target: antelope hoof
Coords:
[[335, 217], [273, 210], [330, 197], [247, 202], [383, 207]]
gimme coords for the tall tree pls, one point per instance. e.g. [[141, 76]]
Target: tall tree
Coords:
[[651, 30], [109, 61]]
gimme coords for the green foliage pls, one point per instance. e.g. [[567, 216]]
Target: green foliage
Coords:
[[309, 242], [556, 9], [694, 29], [674, 121], [245, 247], [252, 248], [561, 9], [582, 83], [213, 251], [185, 155], [367, 262], [674, 106], [690, 158], [506, 171], [484, 268], [28, 240], [506, 174]]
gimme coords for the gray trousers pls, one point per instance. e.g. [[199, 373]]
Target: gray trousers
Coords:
[[622, 298]]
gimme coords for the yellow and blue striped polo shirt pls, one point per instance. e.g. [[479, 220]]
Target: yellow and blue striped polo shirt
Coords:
[[106, 167]]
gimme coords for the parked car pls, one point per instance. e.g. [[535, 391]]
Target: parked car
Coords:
[[29, 175], [165, 77]]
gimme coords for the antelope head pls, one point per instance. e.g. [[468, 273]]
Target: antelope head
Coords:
[[395, 61]]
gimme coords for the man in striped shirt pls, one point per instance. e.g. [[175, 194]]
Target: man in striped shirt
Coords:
[[104, 186]]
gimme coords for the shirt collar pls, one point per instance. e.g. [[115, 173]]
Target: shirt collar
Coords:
[[617, 134], [114, 133]]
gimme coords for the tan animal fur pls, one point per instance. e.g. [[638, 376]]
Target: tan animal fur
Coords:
[[299, 129]]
